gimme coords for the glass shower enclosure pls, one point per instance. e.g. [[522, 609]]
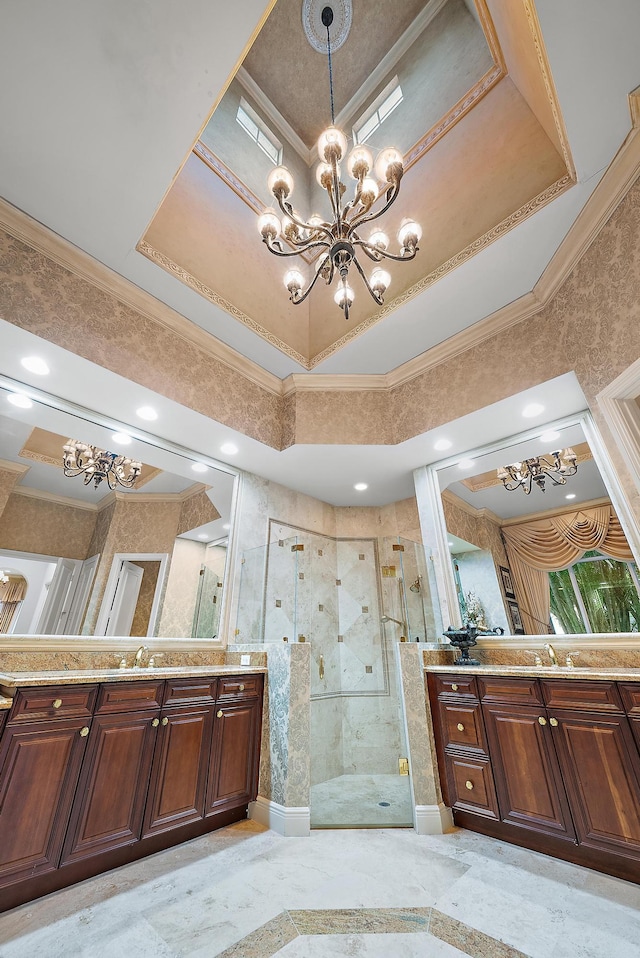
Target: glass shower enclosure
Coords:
[[353, 600]]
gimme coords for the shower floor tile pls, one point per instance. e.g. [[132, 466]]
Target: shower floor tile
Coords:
[[354, 801]]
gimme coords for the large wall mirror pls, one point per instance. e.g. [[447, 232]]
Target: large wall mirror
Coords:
[[80, 558], [528, 555]]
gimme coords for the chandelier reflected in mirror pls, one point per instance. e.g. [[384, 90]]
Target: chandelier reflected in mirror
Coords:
[[523, 475], [335, 244], [97, 465]]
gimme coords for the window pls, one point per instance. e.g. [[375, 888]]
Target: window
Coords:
[[595, 594], [386, 103], [259, 132]]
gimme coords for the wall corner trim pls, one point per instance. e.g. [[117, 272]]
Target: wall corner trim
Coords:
[[288, 821], [432, 819]]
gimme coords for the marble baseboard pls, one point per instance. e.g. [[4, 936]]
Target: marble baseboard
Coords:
[[432, 819], [291, 822]]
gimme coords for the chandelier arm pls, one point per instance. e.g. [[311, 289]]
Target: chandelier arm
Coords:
[[289, 211], [294, 252], [373, 252], [302, 296], [392, 195], [383, 254], [335, 183], [377, 296]]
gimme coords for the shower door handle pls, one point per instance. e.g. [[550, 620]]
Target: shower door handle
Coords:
[[321, 666]]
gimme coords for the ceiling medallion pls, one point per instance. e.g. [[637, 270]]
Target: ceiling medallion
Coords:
[[316, 32], [98, 464], [522, 475], [335, 243]]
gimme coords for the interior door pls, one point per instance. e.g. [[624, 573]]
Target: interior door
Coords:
[[125, 597], [55, 612], [80, 595]]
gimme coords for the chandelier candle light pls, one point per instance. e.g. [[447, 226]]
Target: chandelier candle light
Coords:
[[98, 464], [522, 475], [337, 242]]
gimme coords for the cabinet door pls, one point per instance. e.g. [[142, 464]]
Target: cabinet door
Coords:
[[179, 773], [602, 774], [233, 770], [526, 771], [39, 768], [112, 790]]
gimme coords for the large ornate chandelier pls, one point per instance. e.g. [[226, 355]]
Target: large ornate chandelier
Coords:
[[523, 475], [337, 242], [99, 464]]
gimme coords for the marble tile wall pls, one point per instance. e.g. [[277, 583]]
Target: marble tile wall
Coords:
[[477, 572]]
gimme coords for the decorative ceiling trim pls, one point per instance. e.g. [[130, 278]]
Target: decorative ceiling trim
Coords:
[[54, 497], [556, 189], [545, 70], [560, 511], [185, 277], [7, 466], [70, 257], [299, 382], [465, 506]]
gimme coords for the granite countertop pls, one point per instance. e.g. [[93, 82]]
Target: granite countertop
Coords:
[[620, 674], [12, 680]]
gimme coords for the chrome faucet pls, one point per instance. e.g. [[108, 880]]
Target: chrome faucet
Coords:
[[552, 654], [138, 658]]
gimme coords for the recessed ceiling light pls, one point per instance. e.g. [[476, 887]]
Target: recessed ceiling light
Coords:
[[360, 486], [465, 464], [533, 409], [442, 444], [571, 495], [229, 449], [121, 438], [146, 412], [549, 436], [20, 400], [203, 535], [199, 467], [35, 365], [226, 525]]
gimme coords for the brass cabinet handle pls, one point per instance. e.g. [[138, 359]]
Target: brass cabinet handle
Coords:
[[454, 687], [155, 723], [460, 727], [84, 731], [554, 722], [57, 703], [219, 713], [542, 720], [468, 785], [241, 688], [165, 720]]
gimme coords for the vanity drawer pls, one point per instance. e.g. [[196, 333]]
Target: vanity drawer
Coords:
[[462, 725], [129, 696], [471, 787], [630, 692], [239, 686], [455, 685], [505, 690], [194, 691], [53, 701], [585, 695]]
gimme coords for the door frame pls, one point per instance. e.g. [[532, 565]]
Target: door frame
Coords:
[[112, 581]]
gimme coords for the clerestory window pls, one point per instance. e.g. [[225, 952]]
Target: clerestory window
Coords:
[[370, 121], [259, 132]]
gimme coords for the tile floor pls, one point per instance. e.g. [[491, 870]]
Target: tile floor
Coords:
[[245, 892], [354, 801]]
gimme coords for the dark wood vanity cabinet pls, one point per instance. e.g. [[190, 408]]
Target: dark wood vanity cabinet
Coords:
[[562, 755], [155, 764]]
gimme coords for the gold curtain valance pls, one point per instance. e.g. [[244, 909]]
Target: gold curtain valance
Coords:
[[540, 546], [554, 543], [14, 590]]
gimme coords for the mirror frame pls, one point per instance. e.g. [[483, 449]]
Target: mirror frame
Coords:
[[95, 418], [431, 511]]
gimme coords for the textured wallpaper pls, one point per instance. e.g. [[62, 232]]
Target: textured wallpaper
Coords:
[[46, 528]]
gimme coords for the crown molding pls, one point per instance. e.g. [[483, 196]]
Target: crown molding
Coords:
[[17, 467], [560, 511], [334, 383], [54, 497], [464, 506], [70, 257]]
